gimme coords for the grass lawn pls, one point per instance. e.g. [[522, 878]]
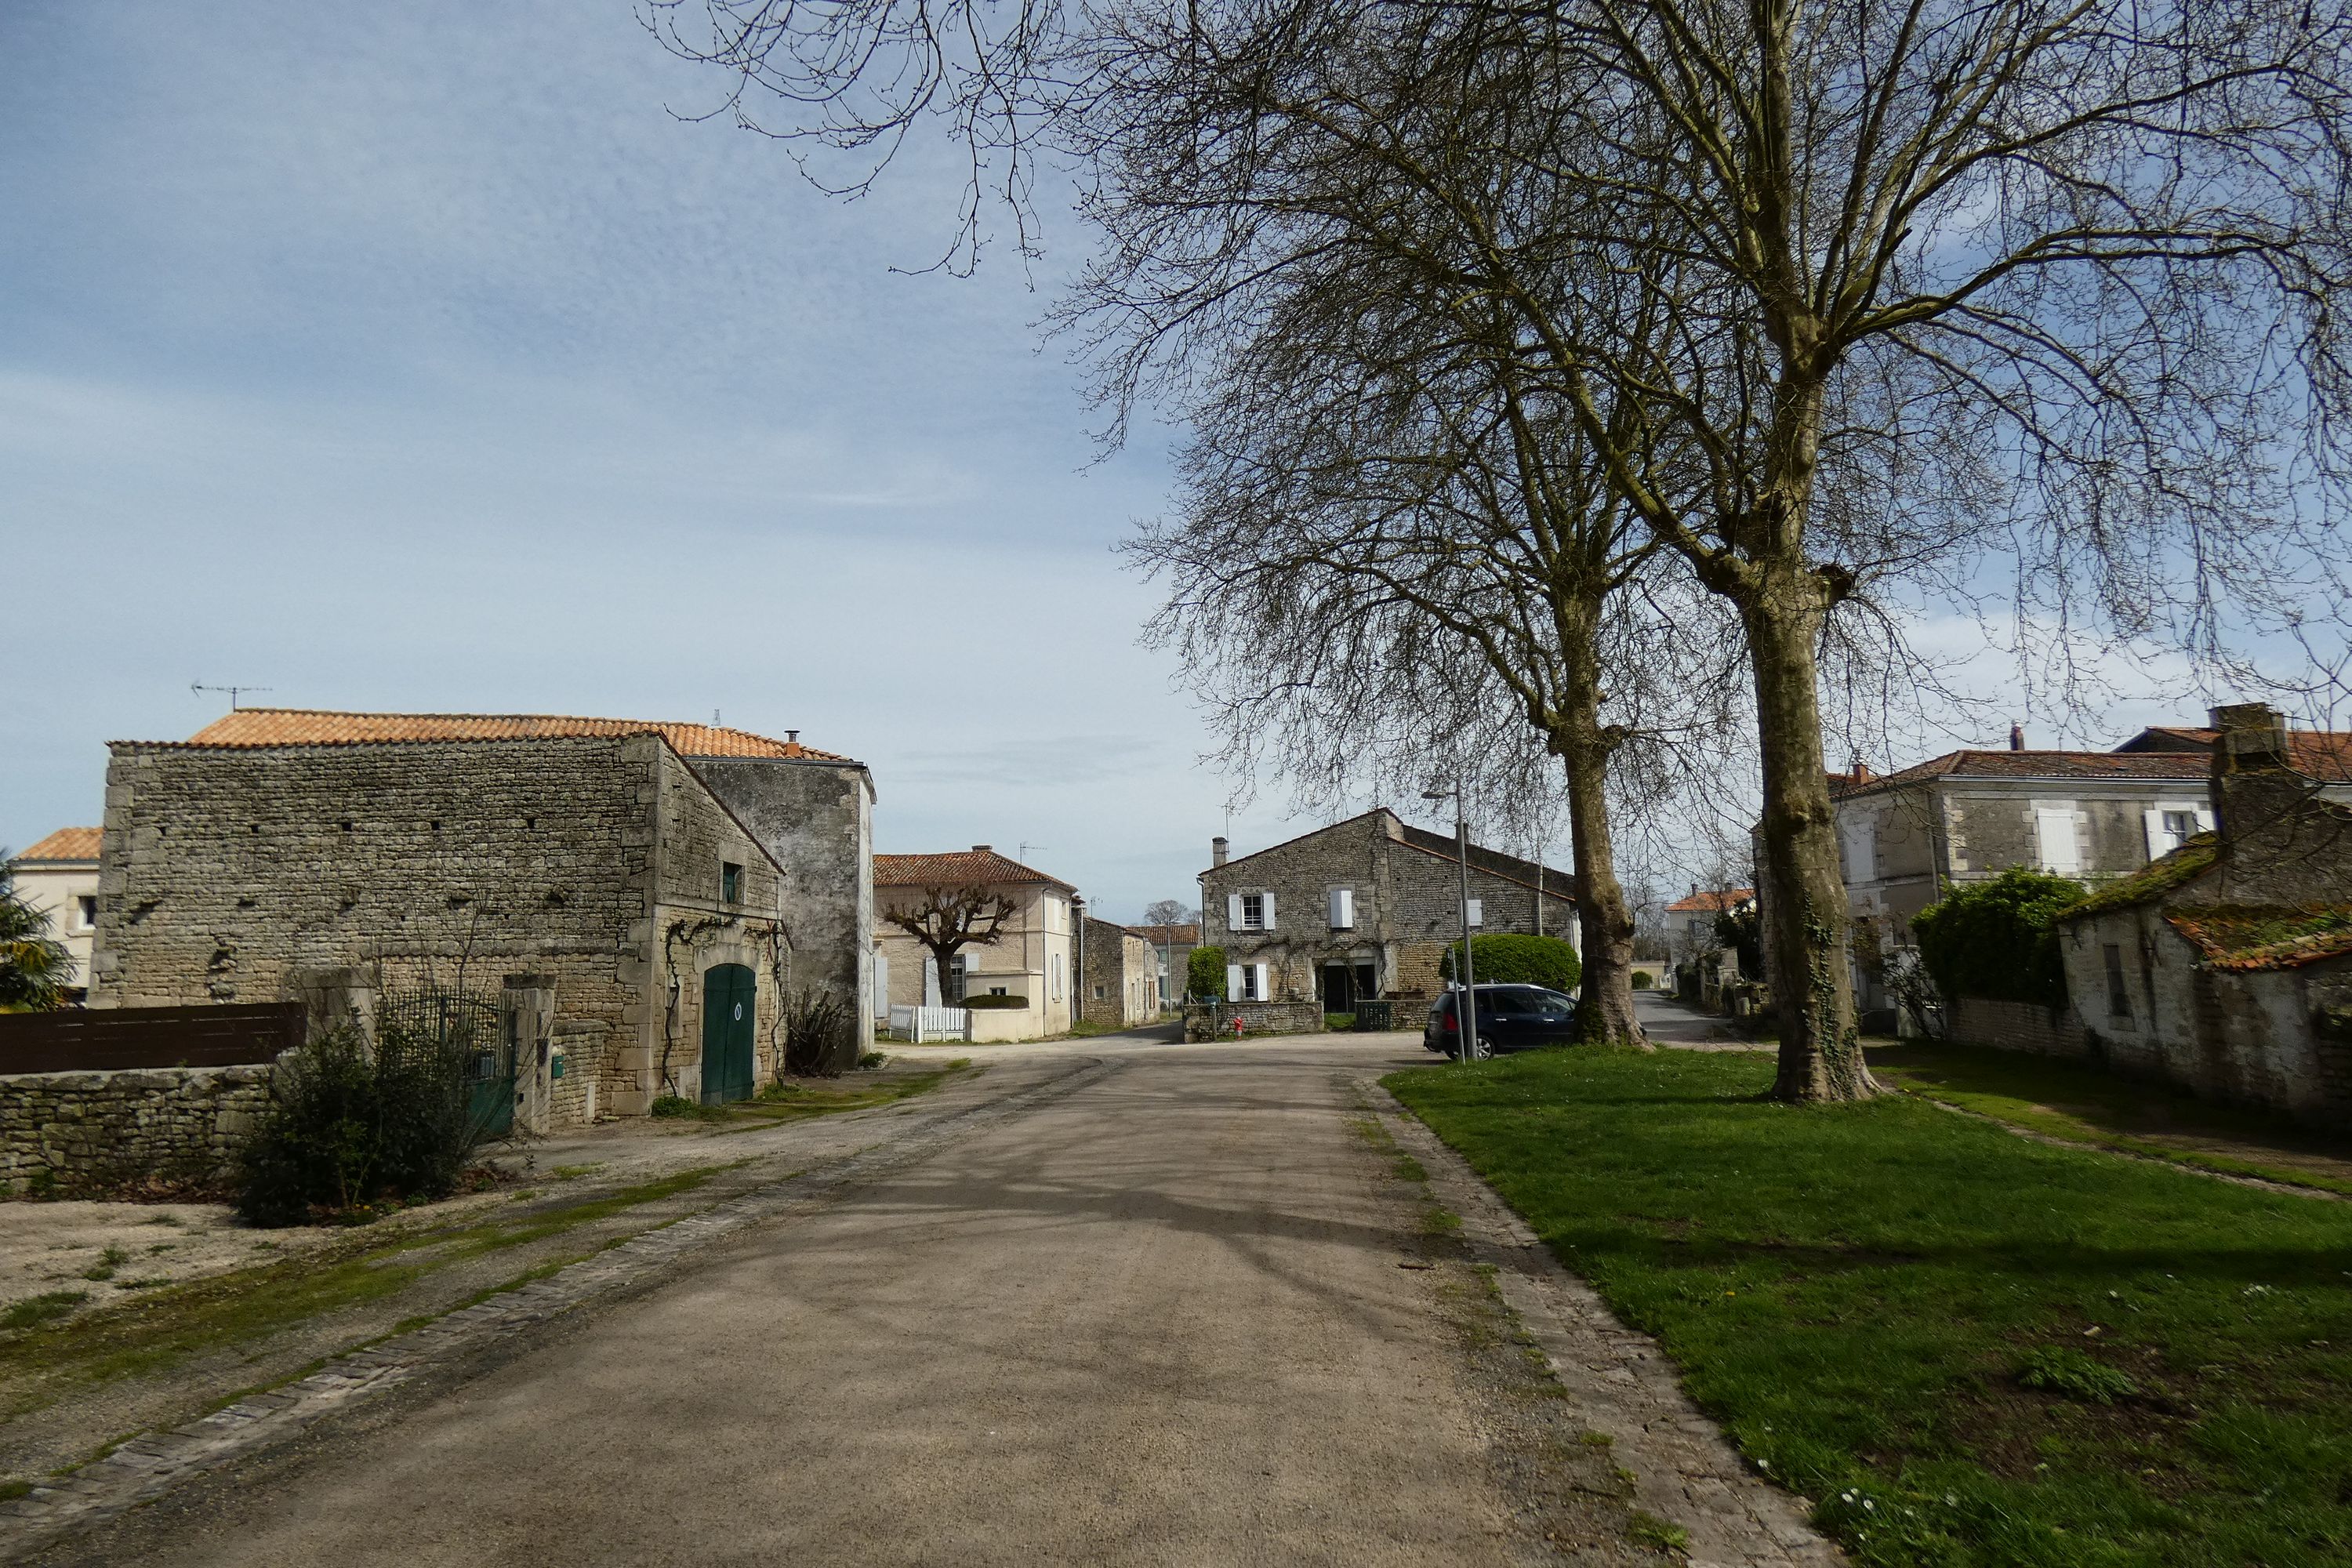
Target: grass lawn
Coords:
[[1968, 1348], [2090, 1105]]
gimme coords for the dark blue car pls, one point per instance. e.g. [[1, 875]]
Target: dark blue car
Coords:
[[1509, 1017]]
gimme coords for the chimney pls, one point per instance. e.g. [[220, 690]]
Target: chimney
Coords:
[[1217, 851], [792, 737], [1861, 771], [981, 849], [2017, 737], [2252, 737]]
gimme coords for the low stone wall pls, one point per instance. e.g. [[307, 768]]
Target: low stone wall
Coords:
[[2016, 1027], [100, 1132], [1213, 1021]]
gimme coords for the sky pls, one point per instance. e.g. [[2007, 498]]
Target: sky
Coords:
[[421, 358]]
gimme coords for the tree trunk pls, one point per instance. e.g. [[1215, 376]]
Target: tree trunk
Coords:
[[1604, 1014], [1801, 894]]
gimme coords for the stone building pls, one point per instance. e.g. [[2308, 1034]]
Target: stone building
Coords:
[[648, 874], [1690, 921], [2226, 967], [1905, 837], [1030, 959], [1119, 976], [57, 877], [1364, 909], [1172, 946]]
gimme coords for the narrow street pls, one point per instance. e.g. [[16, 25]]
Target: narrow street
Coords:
[[1187, 1313]]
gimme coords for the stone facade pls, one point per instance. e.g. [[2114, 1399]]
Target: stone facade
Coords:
[[603, 862], [1904, 838], [2016, 1027], [1121, 987], [1215, 1021], [100, 1131], [1397, 888], [2227, 966]]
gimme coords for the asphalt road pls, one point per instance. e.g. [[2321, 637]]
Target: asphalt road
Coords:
[[1181, 1315]]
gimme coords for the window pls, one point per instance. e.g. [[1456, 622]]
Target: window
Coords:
[[1253, 912], [997, 991], [1099, 993], [1477, 915], [2118, 993], [963, 977], [730, 882], [89, 911], [2181, 825], [1343, 908]]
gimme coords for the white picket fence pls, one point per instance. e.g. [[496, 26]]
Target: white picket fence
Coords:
[[917, 1025]]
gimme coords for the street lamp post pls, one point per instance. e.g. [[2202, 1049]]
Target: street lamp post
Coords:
[[1468, 1006]]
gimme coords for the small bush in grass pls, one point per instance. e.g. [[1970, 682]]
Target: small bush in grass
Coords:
[[873, 1062], [674, 1105], [353, 1127], [818, 1032], [37, 1309], [2062, 1369], [1643, 980]]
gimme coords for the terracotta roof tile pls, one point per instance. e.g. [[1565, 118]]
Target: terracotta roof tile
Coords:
[[1713, 902], [2242, 938], [959, 868], [259, 727], [2181, 766], [2318, 753], [65, 844], [1170, 936]]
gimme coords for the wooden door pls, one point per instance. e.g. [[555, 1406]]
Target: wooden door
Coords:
[[730, 1013]]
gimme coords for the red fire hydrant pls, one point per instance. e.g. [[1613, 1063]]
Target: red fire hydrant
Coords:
[[1237, 1026]]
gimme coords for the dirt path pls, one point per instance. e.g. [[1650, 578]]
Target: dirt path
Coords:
[[1189, 1312]]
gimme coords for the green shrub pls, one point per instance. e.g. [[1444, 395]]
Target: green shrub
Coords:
[[993, 1003], [667, 1106], [873, 1062], [349, 1125], [1643, 980], [1507, 960], [1997, 939], [1204, 972]]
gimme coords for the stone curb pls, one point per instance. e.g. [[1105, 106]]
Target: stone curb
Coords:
[[147, 1466], [1685, 1470]]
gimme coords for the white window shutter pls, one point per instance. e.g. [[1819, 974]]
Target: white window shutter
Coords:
[[2053, 828], [1265, 991], [881, 985], [1343, 908], [1478, 911], [2158, 840], [2204, 820], [1232, 911], [1233, 982], [1269, 907]]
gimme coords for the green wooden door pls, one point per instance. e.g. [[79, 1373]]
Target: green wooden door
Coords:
[[730, 1013]]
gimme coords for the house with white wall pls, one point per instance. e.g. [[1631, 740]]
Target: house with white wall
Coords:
[[57, 877], [1030, 957]]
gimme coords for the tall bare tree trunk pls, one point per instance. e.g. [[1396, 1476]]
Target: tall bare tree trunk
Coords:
[[1604, 1014], [1801, 892]]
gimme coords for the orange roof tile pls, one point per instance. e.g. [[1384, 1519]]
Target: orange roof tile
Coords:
[[976, 867], [257, 727], [65, 844], [1713, 903]]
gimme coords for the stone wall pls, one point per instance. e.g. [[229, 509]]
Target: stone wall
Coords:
[[2016, 1027], [815, 820], [100, 1131], [1407, 907], [1204, 1022]]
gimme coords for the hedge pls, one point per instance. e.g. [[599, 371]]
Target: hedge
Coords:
[[1997, 939], [991, 1003], [1204, 972], [1507, 960]]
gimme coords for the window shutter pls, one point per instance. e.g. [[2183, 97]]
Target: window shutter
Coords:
[[2152, 822], [1233, 982], [1232, 911], [1264, 993], [1478, 911], [1269, 907], [881, 985], [1343, 908], [2204, 820], [2054, 827]]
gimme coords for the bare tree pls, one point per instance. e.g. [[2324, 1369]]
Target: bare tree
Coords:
[[1167, 913], [2072, 266], [949, 920]]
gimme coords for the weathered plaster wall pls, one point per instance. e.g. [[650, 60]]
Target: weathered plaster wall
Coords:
[[1122, 966], [98, 1131]]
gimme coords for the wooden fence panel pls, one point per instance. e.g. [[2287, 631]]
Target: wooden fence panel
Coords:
[[110, 1039]]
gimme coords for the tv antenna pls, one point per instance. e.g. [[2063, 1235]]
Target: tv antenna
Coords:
[[200, 687]]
